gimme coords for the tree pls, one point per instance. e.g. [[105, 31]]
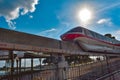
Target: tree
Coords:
[[110, 36], [78, 59]]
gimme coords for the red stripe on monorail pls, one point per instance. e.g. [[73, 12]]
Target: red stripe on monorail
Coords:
[[69, 37]]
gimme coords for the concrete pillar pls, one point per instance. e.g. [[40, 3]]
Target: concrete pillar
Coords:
[[62, 67], [31, 68], [11, 55], [19, 68], [40, 63], [31, 64], [19, 65]]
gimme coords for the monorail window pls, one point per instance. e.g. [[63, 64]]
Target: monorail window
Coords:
[[97, 35], [106, 39], [78, 29], [92, 33], [114, 42], [117, 42], [89, 33], [109, 40], [102, 37]]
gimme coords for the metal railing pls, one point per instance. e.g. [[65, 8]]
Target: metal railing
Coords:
[[90, 71], [114, 76]]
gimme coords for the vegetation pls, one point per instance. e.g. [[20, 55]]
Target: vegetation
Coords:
[[73, 59], [77, 59], [110, 36]]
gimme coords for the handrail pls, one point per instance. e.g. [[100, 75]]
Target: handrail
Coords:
[[108, 75]]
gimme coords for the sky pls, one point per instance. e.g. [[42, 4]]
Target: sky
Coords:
[[51, 18]]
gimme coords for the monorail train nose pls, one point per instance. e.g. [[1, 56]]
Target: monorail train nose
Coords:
[[65, 37], [68, 37]]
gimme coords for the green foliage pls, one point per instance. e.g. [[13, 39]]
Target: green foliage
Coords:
[[77, 59], [110, 36]]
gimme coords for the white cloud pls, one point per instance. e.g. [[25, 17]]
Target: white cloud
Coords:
[[116, 34], [105, 21], [11, 10], [48, 33], [109, 7], [11, 24], [30, 16], [102, 21], [51, 30], [66, 24]]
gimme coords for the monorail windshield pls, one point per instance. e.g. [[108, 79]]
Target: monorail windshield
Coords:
[[77, 29]]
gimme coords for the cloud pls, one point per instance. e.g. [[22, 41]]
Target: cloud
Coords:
[[11, 10], [116, 34], [11, 24], [48, 33], [108, 7], [105, 21], [51, 30], [63, 23], [101, 21], [30, 16]]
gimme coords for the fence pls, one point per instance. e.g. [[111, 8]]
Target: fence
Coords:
[[86, 71]]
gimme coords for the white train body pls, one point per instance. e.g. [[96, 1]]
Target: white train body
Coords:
[[92, 41]]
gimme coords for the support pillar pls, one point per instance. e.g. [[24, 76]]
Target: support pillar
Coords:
[[11, 55], [63, 67], [40, 63], [20, 65], [108, 66], [19, 68], [31, 68]]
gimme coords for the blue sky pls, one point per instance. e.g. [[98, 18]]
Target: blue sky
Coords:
[[51, 18]]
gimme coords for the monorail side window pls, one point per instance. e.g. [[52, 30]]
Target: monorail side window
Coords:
[[92, 33], [88, 33], [78, 29]]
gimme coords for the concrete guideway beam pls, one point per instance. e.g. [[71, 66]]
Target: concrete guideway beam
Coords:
[[14, 40]]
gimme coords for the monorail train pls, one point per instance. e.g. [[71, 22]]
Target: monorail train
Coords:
[[92, 41]]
